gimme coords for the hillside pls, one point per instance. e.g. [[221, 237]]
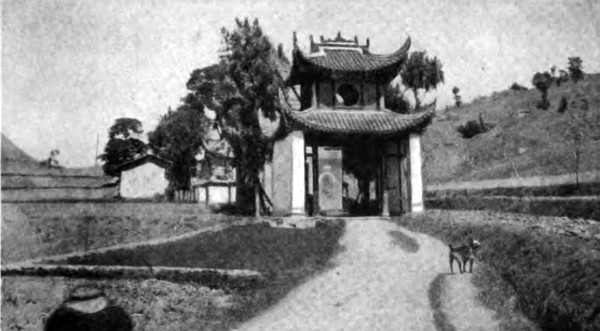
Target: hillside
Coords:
[[14, 158], [524, 142]]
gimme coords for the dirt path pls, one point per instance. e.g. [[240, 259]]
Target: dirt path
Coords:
[[378, 285]]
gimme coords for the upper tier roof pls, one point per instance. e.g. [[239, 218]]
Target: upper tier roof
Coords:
[[335, 58]]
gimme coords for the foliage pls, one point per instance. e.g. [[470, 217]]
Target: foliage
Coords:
[[563, 105], [395, 101], [237, 88], [542, 81], [178, 137], [457, 98], [473, 128], [122, 146], [576, 68], [563, 77], [518, 87], [421, 73], [52, 161]]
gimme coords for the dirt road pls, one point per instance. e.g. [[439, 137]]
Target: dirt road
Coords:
[[377, 284]]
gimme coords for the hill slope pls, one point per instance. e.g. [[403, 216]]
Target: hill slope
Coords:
[[14, 158], [524, 142]]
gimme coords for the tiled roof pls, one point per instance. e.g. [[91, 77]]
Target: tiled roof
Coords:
[[352, 59], [143, 160], [358, 122]]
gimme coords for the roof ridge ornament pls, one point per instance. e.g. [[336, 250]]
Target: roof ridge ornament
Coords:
[[295, 40]]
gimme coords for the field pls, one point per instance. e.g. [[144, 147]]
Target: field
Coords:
[[31, 230], [285, 257], [539, 265]]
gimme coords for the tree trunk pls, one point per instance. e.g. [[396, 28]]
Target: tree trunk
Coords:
[[364, 188], [577, 158], [417, 101], [256, 200]]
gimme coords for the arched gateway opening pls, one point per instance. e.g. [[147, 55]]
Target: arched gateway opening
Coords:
[[344, 153]]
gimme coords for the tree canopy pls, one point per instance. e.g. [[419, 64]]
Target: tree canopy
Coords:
[[179, 137], [122, 146], [421, 73], [237, 88], [576, 68], [543, 81]]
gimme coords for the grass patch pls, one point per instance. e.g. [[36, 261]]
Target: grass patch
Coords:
[[556, 278], [575, 207], [286, 257], [32, 230], [407, 243]]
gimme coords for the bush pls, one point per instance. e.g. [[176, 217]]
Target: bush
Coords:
[[473, 128], [543, 104], [563, 105], [517, 87]]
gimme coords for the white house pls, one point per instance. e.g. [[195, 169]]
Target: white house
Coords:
[[143, 178]]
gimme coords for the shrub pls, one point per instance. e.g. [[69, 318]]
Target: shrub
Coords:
[[517, 87], [473, 128], [563, 105], [543, 104]]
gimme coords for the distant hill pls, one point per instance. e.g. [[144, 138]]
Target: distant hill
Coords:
[[525, 141], [14, 158]]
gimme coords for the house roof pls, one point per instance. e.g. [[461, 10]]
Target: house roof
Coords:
[[346, 59], [148, 158], [358, 122]]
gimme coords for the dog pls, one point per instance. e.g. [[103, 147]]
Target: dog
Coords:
[[463, 255]]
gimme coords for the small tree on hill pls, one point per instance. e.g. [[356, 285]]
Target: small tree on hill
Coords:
[[563, 77], [421, 73], [576, 68], [578, 130], [542, 81], [122, 146], [457, 98]]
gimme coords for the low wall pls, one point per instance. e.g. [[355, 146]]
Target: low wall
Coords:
[[58, 194], [212, 278], [573, 207]]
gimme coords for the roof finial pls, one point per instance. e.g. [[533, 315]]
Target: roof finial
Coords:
[[322, 39], [295, 40], [339, 36], [356, 39], [368, 42]]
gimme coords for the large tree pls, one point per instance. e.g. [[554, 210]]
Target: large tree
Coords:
[[179, 137], [241, 85], [421, 73], [123, 145]]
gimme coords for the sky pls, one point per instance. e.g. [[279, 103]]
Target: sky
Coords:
[[70, 68]]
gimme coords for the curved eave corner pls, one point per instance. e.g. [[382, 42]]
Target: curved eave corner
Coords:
[[348, 123]]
